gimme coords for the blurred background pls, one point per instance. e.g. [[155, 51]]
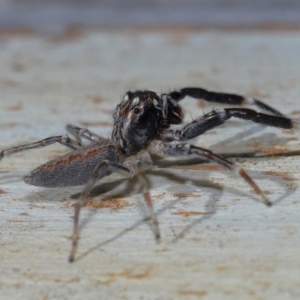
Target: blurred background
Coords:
[[58, 14]]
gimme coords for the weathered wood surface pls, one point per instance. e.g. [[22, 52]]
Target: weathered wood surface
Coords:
[[218, 240]]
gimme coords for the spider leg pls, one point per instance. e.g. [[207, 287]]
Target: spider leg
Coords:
[[84, 133], [189, 150], [219, 117], [104, 168], [224, 98], [64, 140]]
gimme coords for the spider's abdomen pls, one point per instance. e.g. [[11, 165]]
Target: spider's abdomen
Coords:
[[74, 168]]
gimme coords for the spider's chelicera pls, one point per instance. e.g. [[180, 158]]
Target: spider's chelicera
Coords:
[[143, 126]]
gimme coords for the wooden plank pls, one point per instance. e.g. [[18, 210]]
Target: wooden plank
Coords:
[[218, 240]]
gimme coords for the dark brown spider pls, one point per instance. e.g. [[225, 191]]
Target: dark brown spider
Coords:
[[142, 126]]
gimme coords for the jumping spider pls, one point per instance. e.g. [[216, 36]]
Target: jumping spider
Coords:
[[142, 126]]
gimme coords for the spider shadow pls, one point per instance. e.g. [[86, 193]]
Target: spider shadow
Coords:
[[243, 140], [159, 212], [256, 175], [124, 187], [117, 189], [107, 192], [210, 210], [263, 140], [11, 177], [105, 189], [210, 207]]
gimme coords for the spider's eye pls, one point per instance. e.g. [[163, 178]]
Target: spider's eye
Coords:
[[136, 111]]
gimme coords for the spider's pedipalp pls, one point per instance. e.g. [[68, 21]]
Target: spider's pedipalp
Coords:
[[82, 133]]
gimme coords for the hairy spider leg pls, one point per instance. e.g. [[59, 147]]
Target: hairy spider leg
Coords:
[[189, 150], [224, 98], [64, 140], [104, 168], [219, 117]]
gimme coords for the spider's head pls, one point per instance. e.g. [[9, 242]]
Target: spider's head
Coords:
[[136, 120]]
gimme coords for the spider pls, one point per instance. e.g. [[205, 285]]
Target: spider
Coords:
[[142, 126]]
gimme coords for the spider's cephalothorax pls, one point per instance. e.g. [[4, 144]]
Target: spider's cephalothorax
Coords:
[[136, 120], [143, 126]]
